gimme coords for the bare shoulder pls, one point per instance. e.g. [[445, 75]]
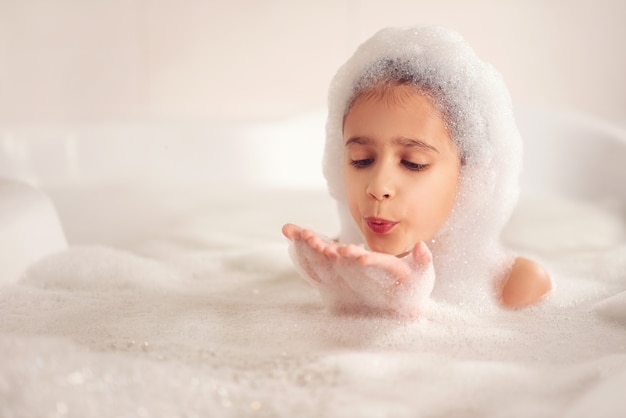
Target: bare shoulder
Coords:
[[526, 284]]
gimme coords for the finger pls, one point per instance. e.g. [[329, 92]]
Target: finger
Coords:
[[307, 233], [315, 242], [291, 231], [351, 251], [320, 245], [421, 254], [330, 251], [342, 250]]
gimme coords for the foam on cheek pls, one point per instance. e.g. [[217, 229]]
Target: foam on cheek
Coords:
[[468, 258]]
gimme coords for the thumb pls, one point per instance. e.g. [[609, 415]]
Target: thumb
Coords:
[[421, 254]]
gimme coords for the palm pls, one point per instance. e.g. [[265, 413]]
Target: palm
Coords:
[[352, 279]]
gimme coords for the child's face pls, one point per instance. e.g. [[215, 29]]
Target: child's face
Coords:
[[401, 168]]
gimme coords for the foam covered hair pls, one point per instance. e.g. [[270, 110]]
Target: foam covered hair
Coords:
[[478, 113]]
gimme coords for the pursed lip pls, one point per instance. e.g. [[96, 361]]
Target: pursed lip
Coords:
[[380, 225]]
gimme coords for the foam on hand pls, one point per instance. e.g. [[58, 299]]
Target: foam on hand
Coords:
[[349, 287]]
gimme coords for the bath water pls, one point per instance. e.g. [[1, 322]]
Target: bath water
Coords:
[[173, 303]]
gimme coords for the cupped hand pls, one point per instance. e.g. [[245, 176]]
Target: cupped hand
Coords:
[[352, 279]]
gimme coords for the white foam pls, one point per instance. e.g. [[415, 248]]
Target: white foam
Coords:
[[97, 267], [229, 329], [613, 308]]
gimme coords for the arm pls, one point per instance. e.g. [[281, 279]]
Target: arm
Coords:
[[526, 284]]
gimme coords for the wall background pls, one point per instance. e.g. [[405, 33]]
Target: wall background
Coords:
[[67, 61]]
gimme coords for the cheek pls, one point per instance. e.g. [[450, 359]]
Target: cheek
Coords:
[[352, 179], [447, 192], [352, 187], [354, 194], [447, 186], [433, 200]]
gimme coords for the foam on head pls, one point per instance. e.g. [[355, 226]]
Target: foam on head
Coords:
[[478, 113]]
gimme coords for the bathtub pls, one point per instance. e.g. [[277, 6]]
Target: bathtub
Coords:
[[152, 280]]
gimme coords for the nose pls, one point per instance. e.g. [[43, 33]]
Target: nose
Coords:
[[381, 186]]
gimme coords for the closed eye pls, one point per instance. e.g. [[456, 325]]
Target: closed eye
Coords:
[[362, 163], [414, 166]]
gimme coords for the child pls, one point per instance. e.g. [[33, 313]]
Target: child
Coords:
[[423, 157]]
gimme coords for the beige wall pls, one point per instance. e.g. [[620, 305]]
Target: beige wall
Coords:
[[103, 60]]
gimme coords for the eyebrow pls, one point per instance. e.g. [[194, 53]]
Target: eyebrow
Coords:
[[399, 141]]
